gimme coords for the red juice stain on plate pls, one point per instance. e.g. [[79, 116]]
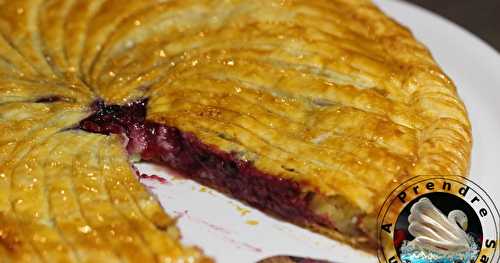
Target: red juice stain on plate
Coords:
[[223, 233], [161, 168], [154, 177]]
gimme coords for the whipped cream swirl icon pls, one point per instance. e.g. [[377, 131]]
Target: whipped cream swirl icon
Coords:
[[437, 237]]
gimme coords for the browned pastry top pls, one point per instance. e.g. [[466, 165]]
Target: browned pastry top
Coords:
[[331, 94]]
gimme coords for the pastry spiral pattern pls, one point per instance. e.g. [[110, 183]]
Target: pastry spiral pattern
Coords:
[[330, 94]]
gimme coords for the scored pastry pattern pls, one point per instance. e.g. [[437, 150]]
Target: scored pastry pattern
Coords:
[[330, 94]]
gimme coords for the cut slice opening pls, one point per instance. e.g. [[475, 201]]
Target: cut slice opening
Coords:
[[225, 172]]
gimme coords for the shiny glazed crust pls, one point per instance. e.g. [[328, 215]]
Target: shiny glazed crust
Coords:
[[71, 196], [330, 94]]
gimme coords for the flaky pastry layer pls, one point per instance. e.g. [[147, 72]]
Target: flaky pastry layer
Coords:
[[330, 94]]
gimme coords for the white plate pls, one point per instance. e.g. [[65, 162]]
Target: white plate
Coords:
[[233, 232]]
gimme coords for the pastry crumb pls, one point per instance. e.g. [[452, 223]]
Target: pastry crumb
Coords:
[[252, 222], [243, 211]]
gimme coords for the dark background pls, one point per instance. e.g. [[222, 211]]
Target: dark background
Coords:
[[481, 17]]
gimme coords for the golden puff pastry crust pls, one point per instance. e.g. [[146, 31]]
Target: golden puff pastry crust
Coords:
[[309, 110], [71, 196]]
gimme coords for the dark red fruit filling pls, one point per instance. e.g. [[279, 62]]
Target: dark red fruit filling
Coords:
[[127, 120], [204, 163]]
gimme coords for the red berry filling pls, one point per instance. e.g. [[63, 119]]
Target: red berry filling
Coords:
[[204, 163]]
